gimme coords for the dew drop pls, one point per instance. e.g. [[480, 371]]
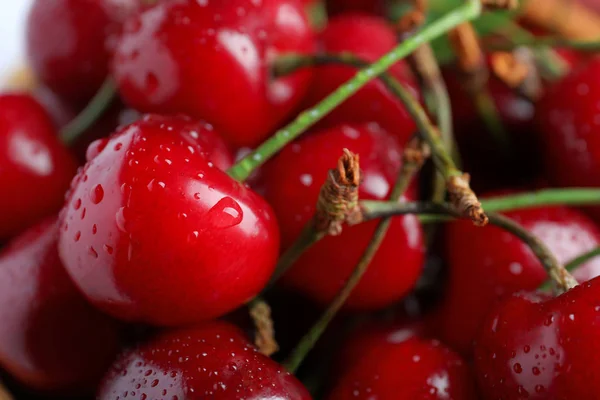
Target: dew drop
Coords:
[[225, 214], [77, 204], [94, 229], [151, 82], [108, 249], [121, 219], [77, 236], [154, 383], [97, 194], [93, 252], [517, 368]]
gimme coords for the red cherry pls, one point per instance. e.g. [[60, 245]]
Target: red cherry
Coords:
[[533, 347], [569, 124], [69, 42], [369, 38], [211, 361], [35, 168], [154, 233], [50, 338], [335, 7], [291, 184], [211, 59], [487, 264], [396, 365]]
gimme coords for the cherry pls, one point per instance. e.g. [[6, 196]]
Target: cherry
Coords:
[[397, 364], [69, 43], [213, 361], [569, 124], [50, 338], [291, 183], [211, 59], [35, 168], [154, 232], [487, 264], [535, 347], [335, 7], [369, 38]]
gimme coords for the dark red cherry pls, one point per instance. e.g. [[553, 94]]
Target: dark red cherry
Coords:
[[211, 361], [35, 168], [569, 124], [486, 264], [535, 347], [51, 339], [291, 183], [69, 43], [335, 7], [369, 38], [396, 364], [155, 232], [211, 59]]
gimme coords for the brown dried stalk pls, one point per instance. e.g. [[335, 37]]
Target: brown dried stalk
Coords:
[[265, 332], [569, 19], [464, 199]]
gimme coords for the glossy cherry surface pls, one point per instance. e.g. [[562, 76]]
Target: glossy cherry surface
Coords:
[[155, 232], [291, 183], [212, 361], [211, 59], [369, 38], [69, 43], [51, 339], [569, 125], [396, 364], [35, 168], [487, 264], [533, 347]]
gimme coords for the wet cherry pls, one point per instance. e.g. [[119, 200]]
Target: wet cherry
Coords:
[[35, 168], [154, 231], [211, 59], [535, 347], [291, 183], [212, 361], [487, 264], [51, 339], [369, 38], [69, 43]]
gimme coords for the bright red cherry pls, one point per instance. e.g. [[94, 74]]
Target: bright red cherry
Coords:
[[535, 347], [51, 339], [212, 361], [369, 38], [69, 43], [211, 59], [291, 183], [154, 232], [35, 168], [569, 126], [396, 364], [486, 264]]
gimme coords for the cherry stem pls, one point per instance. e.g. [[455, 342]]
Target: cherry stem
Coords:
[[408, 171], [471, 9], [260, 312], [91, 113], [4, 394], [575, 263], [549, 41]]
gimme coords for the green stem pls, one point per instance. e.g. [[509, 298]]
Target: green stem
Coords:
[[544, 42], [468, 11], [575, 263], [484, 103], [91, 113]]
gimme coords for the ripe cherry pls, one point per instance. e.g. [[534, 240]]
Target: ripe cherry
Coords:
[[397, 364], [487, 264], [291, 183], [535, 347], [369, 38], [155, 232], [569, 124], [51, 339], [35, 168], [69, 43], [376, 7], [213, 361], [211, 59]]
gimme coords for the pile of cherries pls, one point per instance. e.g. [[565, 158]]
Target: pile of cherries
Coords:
[[129, 253]]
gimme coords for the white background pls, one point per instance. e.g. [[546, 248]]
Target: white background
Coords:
[[12, 21]]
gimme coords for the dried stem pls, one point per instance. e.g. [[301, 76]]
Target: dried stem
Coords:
[[509, 68], [500, 4], [569, 19], [4, 394], [265, 332]]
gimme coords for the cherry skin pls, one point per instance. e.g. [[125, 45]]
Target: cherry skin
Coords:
[[51, 339], [369, 38], [213, 361], [535, 347], [154, 232], [335, 7], [291, 183], [211, 59], [397, 364], [486, 264], [69, 43], [569, 125], [35, 168]]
